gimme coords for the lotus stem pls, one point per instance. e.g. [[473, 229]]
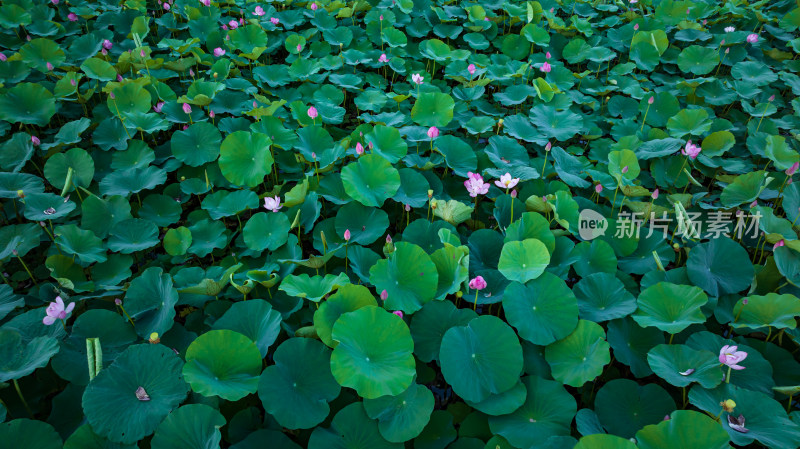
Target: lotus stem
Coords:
[[26, 267], [475, 304], [645, 117], [22, 398], [728, 378]]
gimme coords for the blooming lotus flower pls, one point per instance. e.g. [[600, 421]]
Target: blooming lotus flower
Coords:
[[433, 132], [506, 182], [730, 29], [359, 149], [793, 169], [187, 108], [598, 188], [274, 20], [778, 244], [72, 17], [730, 356], [691, 150], [546, 67], [398, 313], [273, 204], [417, 78], [471, 69], [259, 11], [205, 2], [384, 295], [35, 141], [383, 58], [233, 24], [346, 235], [475, 185], [312, 112], [57, 311], [219, 52], [477, 283], [157, 107], [107, 44], [752, 38]]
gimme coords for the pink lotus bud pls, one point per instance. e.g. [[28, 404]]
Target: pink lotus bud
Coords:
[[778, 244], [117, 301], [754, 204], [255, 105], [314, 6], [187, 108], [219, 52], [381, 17], [191, 73], [73, 83], [49, 66], [398, 313], [241, 21], [359, 149], [433, 132], [346, 235], [314, 155], [388, 239], [55, 2], [636, 27], [654, 195], [514, 193], [157, 107], [211, 113], [35, 141], [625, 169], [547, 55], [103, 51], [408, 207], [384, 295], [598, 188], [651, 100], [548, 146], [312, 112], [166, 6], [722, 43], [111, 95], [477, 283], [224, 27], [471, 69], [546, 67], [119, 78], [72, 17], [299, 48], [772, 98], [107, 44], [3, 57], [205, 2]]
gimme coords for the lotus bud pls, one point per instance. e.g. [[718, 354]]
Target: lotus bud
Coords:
[[398, 313], [346, 235], [384, 295], [548, 146], [651, 100], [118, 301]]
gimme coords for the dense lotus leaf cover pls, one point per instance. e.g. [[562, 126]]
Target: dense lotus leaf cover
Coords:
[[399, 223]]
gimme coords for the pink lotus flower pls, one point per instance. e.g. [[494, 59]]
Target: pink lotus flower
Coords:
[[259, 11], [241, 21], [157, 107], [299, 48], [346, 235], [624, 169], [219, 52], [506, 182], [475, 185], [211, 113], [752, 38], [166, 6], [793, 169], [651, 100], [547, 55], [654, 195], [224, 27], [417, 78], [778, 244], [314, 6], [359, 149], [729, 356], [274, 20], [433, 132], [384, 295], [636, 27], [187, 108], [691, 150], [205, 2], [72, 17], [119, 78], [3, 57], [233, 24], [35, 141], [598, 188], [49, 66], [383, 58], [312, 112], [107, 44], [57, 311], [398, 313], [55, 2], [548, 146], [381, 17], [471, 69], [546, 67], [477, 283], [273, 204], [730, 29]]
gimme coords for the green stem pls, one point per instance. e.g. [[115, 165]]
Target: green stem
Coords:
[[26, 269], [728, 376], [22, 398], [475, 305]]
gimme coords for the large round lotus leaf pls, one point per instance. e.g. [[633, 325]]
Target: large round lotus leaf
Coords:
[[670, 307], [223, 363], [255, 319], [131, 235], [481, 358], [764, 418], [756, 376], [603, 441], [85, 438], [631, 343], [57, 167], [160, 209], [772, 309], [313, 140], [429, 324], [193, 426], [595, 257], [531, 225], [197, 145], [84, 244], [19, 358], [581, 356], [46, 206], [245, 158], [348, 298], [28, 434], [548, 411], [720, 266], [523, 261], [681, 365], [351, 428], [262, 438], [366, 224], [543, 310], [402, 417], [129, 98], [8, 300], [132, 180], [266, 231], [698, 60], [150, 301], [623, 406], [603, 297], [371, 180], [438, 433], [297, 389], [177, 241], [502, 403], [387, 142], [27, 103], [313, 288], [433, 109], [685, 429], [110, 401], [374, 354], [409, 277]]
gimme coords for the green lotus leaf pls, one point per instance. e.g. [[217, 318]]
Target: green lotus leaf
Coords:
[[602, 441], [57, 167], [371, 180], [581, 356], [84, 244], [85, 438], [27, 103], [693, 122], [350, 428], [129, 98], [543, 310], [556, 124], [245, 158], [670, 307], [313, 140], [548, 411], [531, 225], [255, 319], [16, 152], [177, 241], [374, 352], [452, 211], [162, 210], [756, 376], [132, 180], [366, 224], [314, 288], [720, 266], [387, 142], [223, 363], [8, 300], [744, 189], [409, 277], [433, 109], [348, 298], [134, 234], [482, 358], [523, 261], [110, 401], [194, 426], [404, 416], [20, 358], [681, 365], [698, 60], [717, 143], [28, 433], [771, 310], [223, 203], [431, 322], [502, 403], [623, 406], [266, 231], [452, 265], [603, 297], [197, 145], [297, 389], [98, 69], [685, 429], [46, 206], [12, 183], [263, 437], [150, 301]]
